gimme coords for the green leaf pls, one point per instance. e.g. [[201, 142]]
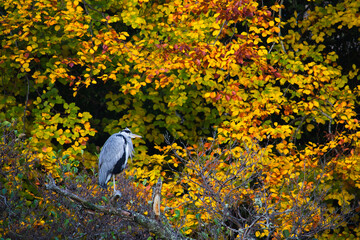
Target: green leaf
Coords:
[[177, 214], [286, 233]]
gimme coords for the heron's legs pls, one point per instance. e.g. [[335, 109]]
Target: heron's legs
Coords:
[[116, 192], [114, 182]]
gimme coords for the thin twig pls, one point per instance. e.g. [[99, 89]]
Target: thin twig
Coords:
[[279, 34], [219, 32]]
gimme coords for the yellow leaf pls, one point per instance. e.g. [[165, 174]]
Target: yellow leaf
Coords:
[[57, 27], [79, 9], [344, 117], [112, 76], [122, 37], [29, 48], [140, 20], [256, 30], [316, 104], [307, 91], [216, 32], [96, 71], [262, 52], [310, 127], [132, 91], [97, 42]]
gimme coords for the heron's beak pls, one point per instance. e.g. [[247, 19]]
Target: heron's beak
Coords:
[[135, 136]]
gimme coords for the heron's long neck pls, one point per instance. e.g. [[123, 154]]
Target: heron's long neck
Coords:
[[130, 149]]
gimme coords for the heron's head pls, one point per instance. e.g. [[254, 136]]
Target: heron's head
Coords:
[[130, 134]]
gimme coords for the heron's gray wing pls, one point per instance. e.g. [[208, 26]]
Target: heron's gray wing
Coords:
[[112, 151]]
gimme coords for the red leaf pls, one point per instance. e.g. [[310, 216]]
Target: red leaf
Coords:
[[278, 75]]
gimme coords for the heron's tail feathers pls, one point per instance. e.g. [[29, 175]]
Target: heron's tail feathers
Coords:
[[104, 178], [104, 186]]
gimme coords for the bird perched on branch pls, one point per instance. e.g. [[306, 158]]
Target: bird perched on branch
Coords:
[[114, 156]]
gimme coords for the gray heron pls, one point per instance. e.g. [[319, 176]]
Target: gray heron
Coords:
[[114, 155]]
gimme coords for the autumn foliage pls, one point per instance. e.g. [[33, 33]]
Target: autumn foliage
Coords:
[[248, 112]]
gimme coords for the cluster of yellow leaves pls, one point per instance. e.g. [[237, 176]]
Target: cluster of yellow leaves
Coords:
[[321, 22]]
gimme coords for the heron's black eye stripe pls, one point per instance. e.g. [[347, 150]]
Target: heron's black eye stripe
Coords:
[[127, 131]]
